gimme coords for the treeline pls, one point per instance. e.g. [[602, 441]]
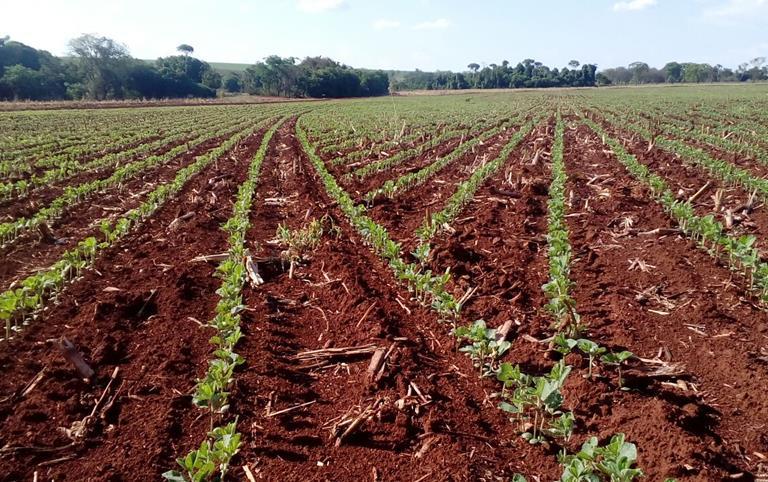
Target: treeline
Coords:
[[688, 72], [532, 74], [527, 74], [100, 68], [312, 77]]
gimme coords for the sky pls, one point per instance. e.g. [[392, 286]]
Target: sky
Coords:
[[407, 34]]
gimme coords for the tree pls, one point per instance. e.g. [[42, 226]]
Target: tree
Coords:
[[16, 53], [4, 39], [673, 72], [474, 67], [756, 72], [232, 83], [373, 83], [602, 79], [23, 83], [588, 78], [318, 62], [101, 60], [574, 64], [185, 49], [182, 66], [211, 79], [639, 71]]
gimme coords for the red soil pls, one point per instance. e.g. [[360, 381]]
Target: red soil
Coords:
[[137, 310], [457, 435], [693, 312], [31, 251], [406, 211], [146, 328], [685, 180]]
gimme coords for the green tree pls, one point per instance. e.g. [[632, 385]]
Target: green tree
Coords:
[[185, 49], [232, 83], [673, 72], [102, 62], [211, 79], [183, 67], [639, 71], [24, 83]]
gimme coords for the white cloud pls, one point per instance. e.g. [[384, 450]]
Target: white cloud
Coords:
[[732, 9], [317, 6], [386, 24], [439, 23], [633, 5]]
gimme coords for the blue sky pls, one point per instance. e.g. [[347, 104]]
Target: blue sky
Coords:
[[402, 34]]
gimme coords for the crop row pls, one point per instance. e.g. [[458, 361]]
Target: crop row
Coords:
[[12, 230], [465, 192], [535, 402], [717, 168], [683, 132], [370, 127], [61, 171], [740, 252], [87, 138], [526, 397], [464, 133], [122, 138], [190, 131], [17, 305], [394, 187], [211, 393]]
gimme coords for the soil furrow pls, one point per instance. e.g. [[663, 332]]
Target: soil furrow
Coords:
[[27, 205], [32, 251], [345, 296], [339, 169], [138, 310], [360, 187], [652, 294], [405, 212], [685, 180], [498, 244]]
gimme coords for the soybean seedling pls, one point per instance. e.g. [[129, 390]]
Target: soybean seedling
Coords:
[[526, 395], [211, 460], [591, 349], [484, 348], [563, 344], [617, 359], [614, 462], [421, 253]]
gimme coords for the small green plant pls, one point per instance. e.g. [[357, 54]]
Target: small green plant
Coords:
[[300, 241], [210, 462], [594, 463], [563, 344], [484, 349], [617, 358], [211, 390], [421, 253], [536, 402], [591, 349]]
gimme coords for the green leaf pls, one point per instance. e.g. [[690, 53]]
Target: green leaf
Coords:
[[174, 476]]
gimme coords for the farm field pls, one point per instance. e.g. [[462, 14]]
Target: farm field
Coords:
[[564, 285]]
